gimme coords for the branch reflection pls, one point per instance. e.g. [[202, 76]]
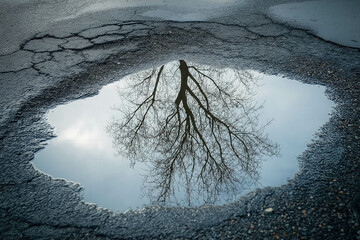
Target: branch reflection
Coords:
[[196, 128]]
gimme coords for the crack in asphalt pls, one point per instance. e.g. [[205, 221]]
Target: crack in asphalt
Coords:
[[59, 48], [149, 27]]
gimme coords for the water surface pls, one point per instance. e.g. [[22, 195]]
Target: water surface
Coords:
[[336, 21], [83, 150]]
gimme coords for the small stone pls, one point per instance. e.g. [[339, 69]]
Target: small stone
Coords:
[[269, 210]]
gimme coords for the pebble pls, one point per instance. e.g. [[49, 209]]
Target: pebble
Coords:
[[269, 210]]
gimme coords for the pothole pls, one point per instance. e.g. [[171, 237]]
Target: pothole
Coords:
[[183, 134]]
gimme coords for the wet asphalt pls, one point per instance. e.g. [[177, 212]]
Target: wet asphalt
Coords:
[[321, 202]]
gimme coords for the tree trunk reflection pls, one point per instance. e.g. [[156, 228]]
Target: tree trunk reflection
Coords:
[[195, 127]]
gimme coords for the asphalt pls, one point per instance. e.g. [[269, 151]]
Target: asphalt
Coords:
[[322, 201]]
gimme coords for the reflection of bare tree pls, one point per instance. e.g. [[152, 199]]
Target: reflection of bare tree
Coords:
[[195, 126]]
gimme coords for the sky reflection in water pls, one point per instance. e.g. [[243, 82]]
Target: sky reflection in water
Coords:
[[82, 151]]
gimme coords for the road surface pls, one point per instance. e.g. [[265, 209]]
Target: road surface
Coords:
[[52, 53]]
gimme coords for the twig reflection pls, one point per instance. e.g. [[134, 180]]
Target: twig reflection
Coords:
[[196, 127]]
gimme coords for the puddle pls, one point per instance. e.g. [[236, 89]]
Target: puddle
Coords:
[[170, 164], [336, 21]]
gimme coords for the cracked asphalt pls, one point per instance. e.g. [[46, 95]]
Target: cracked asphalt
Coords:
[[322, 201]]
